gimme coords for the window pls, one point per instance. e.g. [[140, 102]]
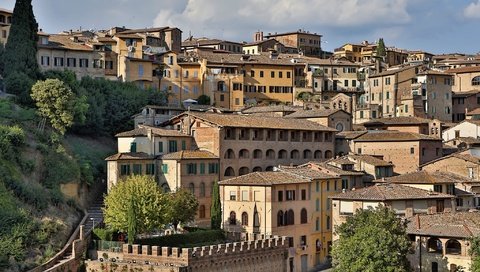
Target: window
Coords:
[[191, 187], [252, 73], [437, 188], [328, 222], [202, 189], [317, 186], [328, 185], [125, 169], [476, 80], [244, 219], [412, 150], [233, 195], [272, 74], [165, 168], [290, 195], [71, 62], [303, 240], [280, 220], [317, 205], [45, 60], [290, 218], [280, 74], [213, 168], [201, 211], [83, 63], [137, 169], [345, 83], [344, 184], [150, 169], [191, 168], [133, 147], [303, 216], [261, 73], [288, 74], [202, 168], [304, 194], [387, 81], [470, 172], [98, 63], [233, 218], [172, 146], [280, 196], [160, 147], [184, 145], [245, 195], [58, 61]]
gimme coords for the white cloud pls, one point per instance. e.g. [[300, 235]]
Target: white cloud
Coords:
[[225, 17], [472, 10]]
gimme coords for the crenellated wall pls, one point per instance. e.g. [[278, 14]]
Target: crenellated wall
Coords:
[[267, 254]]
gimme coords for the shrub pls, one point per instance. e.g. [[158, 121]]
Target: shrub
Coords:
[[186, 240], [103, 234]]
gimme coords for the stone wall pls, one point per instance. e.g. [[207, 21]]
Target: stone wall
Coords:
[[267, 254]]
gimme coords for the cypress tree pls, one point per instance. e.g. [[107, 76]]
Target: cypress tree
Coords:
[[21, 47], [216, 210], [381, 51]]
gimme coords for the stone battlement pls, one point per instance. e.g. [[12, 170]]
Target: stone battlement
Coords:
[[187, 256]]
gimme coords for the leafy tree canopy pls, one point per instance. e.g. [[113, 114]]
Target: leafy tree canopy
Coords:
[[475, 253], [182, 207], [371, 240], [138, 195], [381, 51], [55, 101], [203, 100]]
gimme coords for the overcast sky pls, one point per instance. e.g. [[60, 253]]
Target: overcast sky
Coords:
[[437, 26]]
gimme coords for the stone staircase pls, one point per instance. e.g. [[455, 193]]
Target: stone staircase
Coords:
[[95, 217]]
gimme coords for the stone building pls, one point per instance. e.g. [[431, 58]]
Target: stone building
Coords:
[[441, 242], [292, 201], [406, 150], [337, 119], [405, 201], [247, 143], [432, 127], [5, 23], [309, 44]]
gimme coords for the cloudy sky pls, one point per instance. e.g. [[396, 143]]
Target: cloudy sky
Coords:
[[437, 26]]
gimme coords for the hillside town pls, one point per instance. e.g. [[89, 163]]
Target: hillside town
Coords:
[[295, 141]]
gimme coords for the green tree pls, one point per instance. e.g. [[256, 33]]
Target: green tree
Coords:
[[203, 100], [475, 253], [131, 220], [371, 240], [182, 207], [141, 194], [381, 51], [20, 58], [216, 209], [56, 102]]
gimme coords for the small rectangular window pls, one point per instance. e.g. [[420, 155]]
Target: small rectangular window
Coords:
[[160, 147], [245, 195], [202, 168], [304, 194], [184, 145], [150, 169], [233, 195], [137, 169], [280, 196], [165, 168]]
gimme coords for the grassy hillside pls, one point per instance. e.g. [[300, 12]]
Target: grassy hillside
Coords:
[[35, 218]]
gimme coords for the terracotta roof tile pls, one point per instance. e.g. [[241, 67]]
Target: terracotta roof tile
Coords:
[[143, 131], [458, 224], [312, 113], [65, 42], [389, 191], [130, 156], [332, 170], [265, 179], [393, 136], [397, 121], [350, 135], [307, 172], [460, 70], [424, 177], [275, 108], [252, 121], [189, 155], [370, 160]]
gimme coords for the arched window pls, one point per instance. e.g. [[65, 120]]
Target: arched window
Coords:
[[339, 127], [270, 154], [243, 170], [476, 80], [291, 217], [307, 154], [295, 154], [202, 189], [233, 218], [201, 211], [243, 154], [328, 154], [257, 169], [453, 247], [282, 154], [303, 216], [257, 154], [229, 172], [229, 154], [191, 187], [244, 219], [280, 218], [317, 154], [434, 245], [269, 169], [285, 218]]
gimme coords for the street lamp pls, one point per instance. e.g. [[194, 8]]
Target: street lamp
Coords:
[[93, 223]]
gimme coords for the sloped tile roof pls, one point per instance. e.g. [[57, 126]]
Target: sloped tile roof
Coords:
[[275, 108], [370, 160], [265, 179], [143, 131], [252, 121], [393, 136], [389, 191], [189, 154], [130, 156], [332, 170], [424, 177], [306, 172], [65, 42], [456, 225], [401, 120], [312, 113]]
